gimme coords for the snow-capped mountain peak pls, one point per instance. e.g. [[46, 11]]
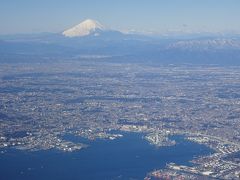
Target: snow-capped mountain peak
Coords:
[[85, 28]]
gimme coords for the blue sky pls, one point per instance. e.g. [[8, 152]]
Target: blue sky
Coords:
[[32, 16]]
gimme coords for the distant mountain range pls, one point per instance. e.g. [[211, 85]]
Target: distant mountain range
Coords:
[[90, 39], [207, 44]]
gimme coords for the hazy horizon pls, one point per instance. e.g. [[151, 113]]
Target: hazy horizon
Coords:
[[158, 17]]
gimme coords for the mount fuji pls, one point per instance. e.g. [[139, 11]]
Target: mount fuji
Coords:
[[90, 28], [87, 27]]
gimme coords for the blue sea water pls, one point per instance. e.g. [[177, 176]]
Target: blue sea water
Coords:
[[130, 157]]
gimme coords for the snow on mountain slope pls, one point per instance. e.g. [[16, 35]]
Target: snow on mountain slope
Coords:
[[87, 27]]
